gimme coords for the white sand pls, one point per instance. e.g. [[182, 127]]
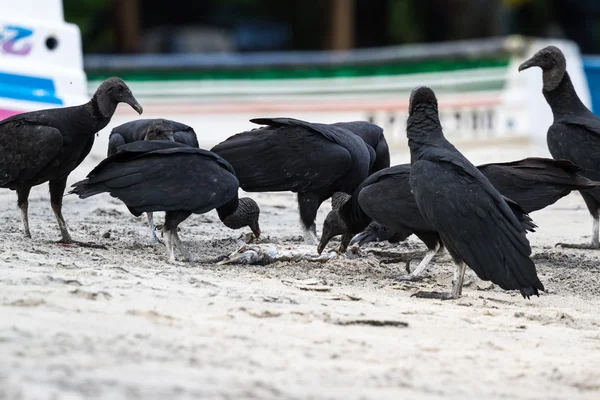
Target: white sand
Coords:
[[78, 323]]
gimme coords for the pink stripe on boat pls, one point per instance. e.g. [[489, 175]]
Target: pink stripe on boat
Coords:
[[4, 113]]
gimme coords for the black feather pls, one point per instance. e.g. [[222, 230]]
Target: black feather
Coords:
[[475, 222]]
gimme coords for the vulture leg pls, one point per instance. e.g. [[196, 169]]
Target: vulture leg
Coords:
[[313, 229], [309, 203], [187, 256], [346, 238], [417, 274], [57, 189], [153, 237], [23, 203], [594, 208], [172, 220], [169, 244], [457, 284]]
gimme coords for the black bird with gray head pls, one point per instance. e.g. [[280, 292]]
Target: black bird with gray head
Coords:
[[575, 133], [311, 159], [46, 145], [478, 226], [168, 176], [159, 130], [151, 129], [386, 198]]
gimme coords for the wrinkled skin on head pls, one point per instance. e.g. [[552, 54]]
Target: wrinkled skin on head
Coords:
[[553, 64], [334, 225], [339, 199], [159, 130], [112, 92], [246, 214]]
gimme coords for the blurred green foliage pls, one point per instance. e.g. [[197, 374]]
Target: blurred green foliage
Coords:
[[390, 22], [91, 17], [403, 22]]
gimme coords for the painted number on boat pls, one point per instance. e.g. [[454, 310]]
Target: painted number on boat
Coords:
[[15, 40]]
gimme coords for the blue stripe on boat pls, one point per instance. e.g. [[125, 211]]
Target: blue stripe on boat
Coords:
[[28, 88]]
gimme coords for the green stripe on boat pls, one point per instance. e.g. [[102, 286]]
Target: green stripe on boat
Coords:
[[347, 71]]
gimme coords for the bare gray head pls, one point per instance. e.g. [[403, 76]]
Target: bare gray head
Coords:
[[110, 93], [246, 214], [553, 64], [333, 226], [339, 199], [159, 129]]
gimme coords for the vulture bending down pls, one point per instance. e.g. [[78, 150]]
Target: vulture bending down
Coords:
[[166, 176], [151, 129], [533, 183], [311, 159]]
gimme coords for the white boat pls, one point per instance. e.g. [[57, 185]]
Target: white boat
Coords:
[[484, 100], [41, 63]]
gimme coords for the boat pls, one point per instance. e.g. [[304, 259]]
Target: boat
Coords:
[[41, 60], [483, 99]]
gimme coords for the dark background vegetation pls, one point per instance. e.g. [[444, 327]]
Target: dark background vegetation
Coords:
[[175, 26]]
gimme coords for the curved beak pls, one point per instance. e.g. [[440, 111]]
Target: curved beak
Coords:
[[135, 105], [325, 238], [255, 230], [527, 64]]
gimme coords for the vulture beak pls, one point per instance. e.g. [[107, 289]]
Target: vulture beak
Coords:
[[527, 64], [325, 238], [255, 228], [134, 104]]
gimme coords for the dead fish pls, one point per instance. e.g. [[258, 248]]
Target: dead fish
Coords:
[[263, 254]]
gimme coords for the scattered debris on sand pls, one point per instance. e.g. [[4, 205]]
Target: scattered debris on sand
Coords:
[[264, 254]]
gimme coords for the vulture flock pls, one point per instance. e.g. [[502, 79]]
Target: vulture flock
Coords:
[[479, 214]]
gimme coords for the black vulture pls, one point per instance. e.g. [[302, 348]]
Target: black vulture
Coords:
[[46, 145], [311, 159], [167, 176], [386, 199], [477, 225], [533, 183], [151, 129], [384, 196], [575, 133]]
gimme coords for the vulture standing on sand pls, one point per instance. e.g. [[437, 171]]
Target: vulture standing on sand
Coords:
[[46, 145], [311, 159], [575, 132], [167, 176], [151, 129], [386, 199], [479, 227]]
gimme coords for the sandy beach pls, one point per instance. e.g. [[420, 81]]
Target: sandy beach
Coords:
[[122, 323]]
